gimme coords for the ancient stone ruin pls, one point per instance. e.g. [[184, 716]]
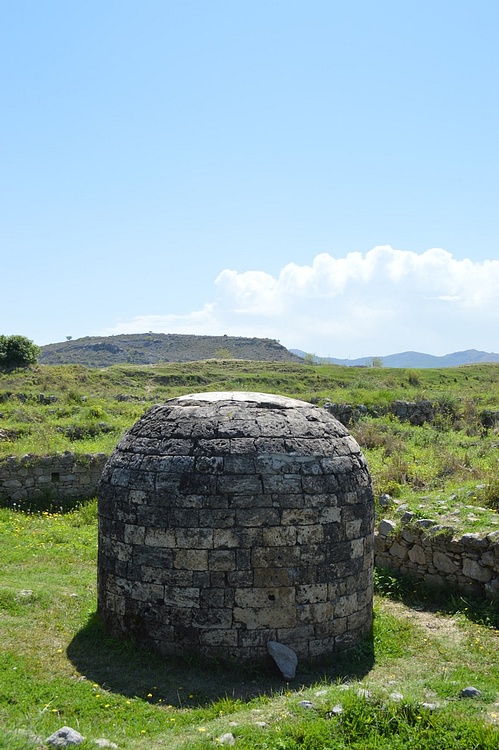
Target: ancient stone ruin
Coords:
[[229, 520]]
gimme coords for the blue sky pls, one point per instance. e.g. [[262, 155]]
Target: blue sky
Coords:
[[321, 173]]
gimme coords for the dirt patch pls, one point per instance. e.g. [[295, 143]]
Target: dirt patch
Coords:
[[441, 626]]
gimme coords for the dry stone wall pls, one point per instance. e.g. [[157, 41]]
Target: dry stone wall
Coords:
[[63, 476], [430, 552]]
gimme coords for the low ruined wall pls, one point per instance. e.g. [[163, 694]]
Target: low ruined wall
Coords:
[[63, 476], [432, 553]]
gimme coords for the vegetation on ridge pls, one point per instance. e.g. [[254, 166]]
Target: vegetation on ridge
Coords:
[[155, 348]]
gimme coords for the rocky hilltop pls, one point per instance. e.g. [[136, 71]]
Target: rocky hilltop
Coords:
[[152, 348]]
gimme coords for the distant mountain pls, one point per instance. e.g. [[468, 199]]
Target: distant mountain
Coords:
[[410, 359], [152, 348]]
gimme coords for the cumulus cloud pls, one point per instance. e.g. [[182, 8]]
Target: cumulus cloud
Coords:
[[380, 302]]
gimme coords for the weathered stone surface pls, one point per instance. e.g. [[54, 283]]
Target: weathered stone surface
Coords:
[[385, 527], [444, 563], [284, 657], [473, 569], [228, 520], [65, 737], [417, 555]]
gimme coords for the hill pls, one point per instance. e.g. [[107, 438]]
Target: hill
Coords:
[[411, 359], [153, 348]]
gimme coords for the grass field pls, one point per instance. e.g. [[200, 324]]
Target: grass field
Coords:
[[448, 467], [400, 689]]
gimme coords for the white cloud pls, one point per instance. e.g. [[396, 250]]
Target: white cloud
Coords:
[[380, 302]]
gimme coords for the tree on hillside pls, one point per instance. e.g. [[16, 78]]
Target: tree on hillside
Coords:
[[17, 351]]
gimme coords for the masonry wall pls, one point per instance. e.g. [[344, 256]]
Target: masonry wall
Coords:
[[432, 553], [63, 476]]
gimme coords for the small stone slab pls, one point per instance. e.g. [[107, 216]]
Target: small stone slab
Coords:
[[284, 657], [306, 704], [64, 737], [226, 739]]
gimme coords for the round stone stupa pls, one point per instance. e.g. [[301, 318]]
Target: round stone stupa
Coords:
[[229, 520]]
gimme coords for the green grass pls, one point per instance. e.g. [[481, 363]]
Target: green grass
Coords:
[[58, 667], [449, 468]]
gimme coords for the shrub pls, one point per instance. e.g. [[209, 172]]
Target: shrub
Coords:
[[17, 351]]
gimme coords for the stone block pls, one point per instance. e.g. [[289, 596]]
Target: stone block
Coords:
[[254, 618], [221, 559], [134, 534], [299, 517], [473, 569], [190, 559], [417, 555], [283, 484], [155, 557], [307, 594], [218, 518], [473, 541], [181, 597], [146, 592], [279, 597], [238, 538], [444, 563], [257, 517], [399, 551], [277, 557], [194, 538], [281, 536], [224, 638], [160, 538], [313, 534]]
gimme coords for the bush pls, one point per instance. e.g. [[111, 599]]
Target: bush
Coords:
[[17, 351]]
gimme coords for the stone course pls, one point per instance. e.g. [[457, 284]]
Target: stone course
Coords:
[[63, 476], [430, 552], [229, 520]]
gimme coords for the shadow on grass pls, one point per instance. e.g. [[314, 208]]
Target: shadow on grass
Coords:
[[128, 668], [446, 601]]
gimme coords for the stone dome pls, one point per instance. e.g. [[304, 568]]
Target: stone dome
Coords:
[[231, 519]]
